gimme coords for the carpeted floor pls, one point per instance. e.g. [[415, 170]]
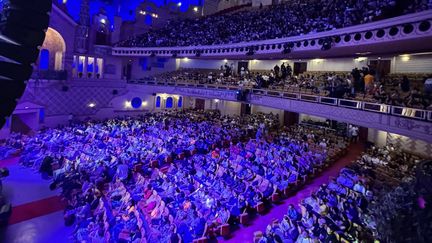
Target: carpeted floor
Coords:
[[245, 234], [36, 209]]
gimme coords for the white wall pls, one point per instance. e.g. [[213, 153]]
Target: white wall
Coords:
[[400, 64], [378, 137], [229, 108], [412, 64], [268, 110], [340, 64], [303, 117], [216, 64], [203, 64], [267, 64]]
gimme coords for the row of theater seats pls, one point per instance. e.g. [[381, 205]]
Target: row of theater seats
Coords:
[[355, 206], [290, 18], [404, 90], [167, 191]]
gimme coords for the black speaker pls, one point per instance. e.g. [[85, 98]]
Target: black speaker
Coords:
[[65, 88], [23, 25], [115, 92], [242, 95]]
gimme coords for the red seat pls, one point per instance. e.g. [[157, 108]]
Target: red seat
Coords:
[[287, 191], [260, 207], [138, 167], [154, 164], [164, 169], [168, 159], [244, 218], [124, 235], [275, 197], [200, 240], [181, 155], [224, 230]]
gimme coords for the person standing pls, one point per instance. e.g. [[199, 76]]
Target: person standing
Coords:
[[354, 133], [428, 86], [405, 84], [369, 81], [284, 71], [276, 70]]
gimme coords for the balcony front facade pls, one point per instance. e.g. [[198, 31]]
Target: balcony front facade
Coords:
[[408, 33], [415, 123]]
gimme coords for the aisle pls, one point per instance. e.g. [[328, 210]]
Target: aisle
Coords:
[[37, 212], [245, 234], [49, 228], [24, 185]]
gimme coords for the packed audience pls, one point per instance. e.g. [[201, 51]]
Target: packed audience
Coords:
[[174, 175], [357, 205], [290, 18], [360, 84], [5, 208]]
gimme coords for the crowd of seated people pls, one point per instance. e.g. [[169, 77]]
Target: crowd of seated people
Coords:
[[5, 207], [354, 207], [360, 84], [11, 146], [174, 175], [290, 18]]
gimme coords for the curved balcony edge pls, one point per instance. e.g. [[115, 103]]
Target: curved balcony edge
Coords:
[[392, 29]]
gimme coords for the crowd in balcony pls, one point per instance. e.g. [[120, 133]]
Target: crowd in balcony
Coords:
[[174, 175], [360, 84], [290, 18], [359, 204]]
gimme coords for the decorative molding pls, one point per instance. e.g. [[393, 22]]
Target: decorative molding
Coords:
[[227, 50], [412, 125]]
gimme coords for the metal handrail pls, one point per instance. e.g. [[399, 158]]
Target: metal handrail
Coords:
[[407, 112]]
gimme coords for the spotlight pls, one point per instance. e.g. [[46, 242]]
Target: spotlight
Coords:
[[326, 44], [286, 50], [250, 51]]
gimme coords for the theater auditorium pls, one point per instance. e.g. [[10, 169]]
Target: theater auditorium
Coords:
[[230, 121]]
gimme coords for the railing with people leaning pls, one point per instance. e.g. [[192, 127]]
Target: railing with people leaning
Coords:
[[405, 112]]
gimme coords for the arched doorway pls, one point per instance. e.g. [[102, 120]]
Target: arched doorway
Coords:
[[55, 46]]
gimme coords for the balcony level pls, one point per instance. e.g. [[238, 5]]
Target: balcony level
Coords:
[[408, 33], [414, 123]]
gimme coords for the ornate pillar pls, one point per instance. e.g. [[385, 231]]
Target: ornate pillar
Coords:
[[82, 32]]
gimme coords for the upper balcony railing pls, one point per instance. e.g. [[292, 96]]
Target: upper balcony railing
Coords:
[[417, 25], [413, 113]]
